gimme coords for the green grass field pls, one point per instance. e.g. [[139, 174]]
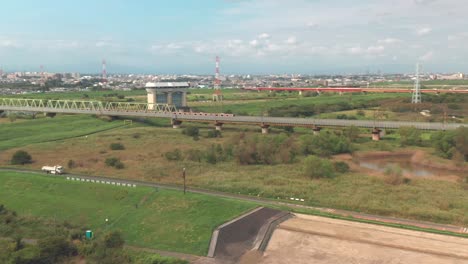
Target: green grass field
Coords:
[[19, 134], [147, 217], [258, 107]]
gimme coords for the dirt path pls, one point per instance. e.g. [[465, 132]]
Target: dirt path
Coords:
[[311, 239]]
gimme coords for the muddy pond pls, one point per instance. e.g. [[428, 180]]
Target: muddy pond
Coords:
[[407, 168]]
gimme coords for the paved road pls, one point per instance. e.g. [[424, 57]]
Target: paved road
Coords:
[[264, 201]]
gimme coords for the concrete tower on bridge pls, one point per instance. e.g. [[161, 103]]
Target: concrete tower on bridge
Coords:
[[172, 93]]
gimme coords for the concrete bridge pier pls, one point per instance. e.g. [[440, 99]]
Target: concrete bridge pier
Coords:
[[176, 123], [218, 126], [265, 128], [316, 130], [376, 134]]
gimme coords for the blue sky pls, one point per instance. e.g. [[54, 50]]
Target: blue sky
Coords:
[[250, 36]]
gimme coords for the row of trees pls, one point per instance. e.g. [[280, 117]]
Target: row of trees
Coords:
[[269, 150]]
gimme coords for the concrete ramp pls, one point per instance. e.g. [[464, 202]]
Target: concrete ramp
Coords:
[[233, 239]]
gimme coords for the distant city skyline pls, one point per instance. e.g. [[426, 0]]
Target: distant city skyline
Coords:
[[250, 36]]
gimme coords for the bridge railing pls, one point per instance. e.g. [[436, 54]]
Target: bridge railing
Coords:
[[86, 105]]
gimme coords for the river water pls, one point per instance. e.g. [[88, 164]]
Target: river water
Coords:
[[407, 168]]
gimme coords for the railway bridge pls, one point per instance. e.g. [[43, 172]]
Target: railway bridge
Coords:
[[51, 107]]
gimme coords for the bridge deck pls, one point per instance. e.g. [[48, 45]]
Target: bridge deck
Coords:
[[166, 111]]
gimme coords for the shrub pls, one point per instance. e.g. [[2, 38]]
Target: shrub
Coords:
[[113, 240], [394, 175], [264, 150], [341, 167], [114, 162], [325, 144], [119, 165], [315, 167], [173, 155], [191, 131], [21, 157], [51, 249], [71, 164], [214, 134], [409, 136], [194, 155], [117, 146]]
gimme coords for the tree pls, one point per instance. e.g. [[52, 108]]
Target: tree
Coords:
[[325, 144], [352, 133], [461, 141], [315, 167], [21, 157], [409, 136], [114, 240], [51, 249]]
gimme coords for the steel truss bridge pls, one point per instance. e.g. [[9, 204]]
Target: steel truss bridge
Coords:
[[169, 111]]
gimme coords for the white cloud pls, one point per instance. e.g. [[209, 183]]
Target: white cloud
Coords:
[[423, 31], [9, 43], [264, 36], [291, 40], [427, 56], [355, 50], [375, 49], [254, 43], [389, 41]]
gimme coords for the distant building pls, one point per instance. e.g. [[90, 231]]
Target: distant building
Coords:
[[172, 93], [456, 76]]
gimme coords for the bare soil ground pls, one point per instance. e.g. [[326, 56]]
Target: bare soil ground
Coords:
[[311, 239]]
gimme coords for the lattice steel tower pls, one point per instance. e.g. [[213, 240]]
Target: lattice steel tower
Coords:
[[217, 95], [416, 98]]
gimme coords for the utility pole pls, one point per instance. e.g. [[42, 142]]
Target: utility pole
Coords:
[[183, 176]]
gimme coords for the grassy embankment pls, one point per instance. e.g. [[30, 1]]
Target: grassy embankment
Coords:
[[16, 134], [147, 217], [422, 199]]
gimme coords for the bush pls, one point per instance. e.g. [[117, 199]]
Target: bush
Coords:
[[315, 167], [409, 136], [325, 144], [71, 164], [266, 150], [113, 240], [394, 175], [21, 157], [114, 162], [191, 131], [213, 134], [173, 155], [117, 146], [52, 249], [341, 167]]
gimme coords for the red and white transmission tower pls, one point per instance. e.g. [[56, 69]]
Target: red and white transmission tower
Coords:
[[217, 95], [104, 71]]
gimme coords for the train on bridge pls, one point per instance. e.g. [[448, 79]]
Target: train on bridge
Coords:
[[354, 90]]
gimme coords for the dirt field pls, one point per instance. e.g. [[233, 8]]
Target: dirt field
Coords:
[[310, 239]]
